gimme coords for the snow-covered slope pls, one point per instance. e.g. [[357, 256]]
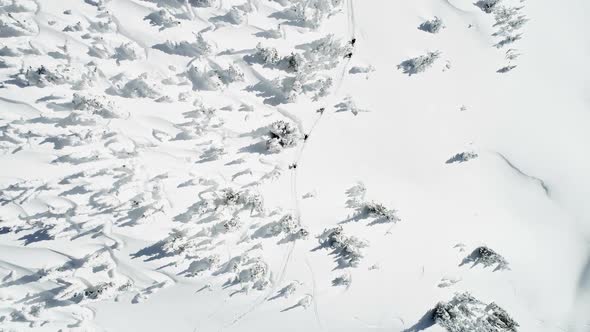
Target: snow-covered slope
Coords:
[[294, 165]]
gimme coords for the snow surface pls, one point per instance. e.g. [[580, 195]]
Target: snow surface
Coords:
[[159, 172]]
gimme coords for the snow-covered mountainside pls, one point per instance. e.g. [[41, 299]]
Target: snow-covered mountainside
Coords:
[[294, 165]]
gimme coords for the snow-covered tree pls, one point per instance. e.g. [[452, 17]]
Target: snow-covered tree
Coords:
[[419, 64], [487, 6], [282, 135], [487, 257], [466, 313], [347, 249], [163, 19], [432, 26]]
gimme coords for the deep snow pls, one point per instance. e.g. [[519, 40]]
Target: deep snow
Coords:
[[223, 165]]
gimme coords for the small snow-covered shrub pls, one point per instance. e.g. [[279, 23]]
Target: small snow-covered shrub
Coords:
[[508, 40], [348, 105], [12, 26], [487, 6], [126, 51], [97, 105], [465, 313], [347, 249], [73, 27], [419, 64], [293, 62], [311, 14], [140, 87], [487, 257], [267, 55], [288, 290], [18, 6], [506, 69], [236, 15], [291, 226], [291, 87], [462, 157], [319, 87], [202, 3], [100, 49], [288, 225], [43, 76], [343, 280], [162, 18], [212, 153], [325, 53], [195, 49], [230, 75], [511, 54], [379, 212], [230, 199], [90, 77], [201, 265], [231, 225], [361, 70], [179, 242], [256, 274], [270, 57], [8, 51], [103, 26], [282, 135], [97, 291], [368, 209], [432, 26], [271, 33], [204, 78]]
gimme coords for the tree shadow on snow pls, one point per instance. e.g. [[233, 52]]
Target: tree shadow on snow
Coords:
[[289, 17], [257, 148], [424, 323], [37, 236], [153, 252], [272, 95]]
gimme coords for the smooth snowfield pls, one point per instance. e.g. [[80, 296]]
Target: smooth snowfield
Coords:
[[162, 168]]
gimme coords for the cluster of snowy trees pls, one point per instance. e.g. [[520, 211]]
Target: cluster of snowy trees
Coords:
[[509, 20], [466, 313], [309, 13], [306, 69]]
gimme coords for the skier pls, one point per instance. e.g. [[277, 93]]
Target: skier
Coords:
[[349, 54]]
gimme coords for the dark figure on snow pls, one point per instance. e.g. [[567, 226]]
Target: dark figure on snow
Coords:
[[321, 110], [305, 137], [348, 55], [352, 42], [293, 166]]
